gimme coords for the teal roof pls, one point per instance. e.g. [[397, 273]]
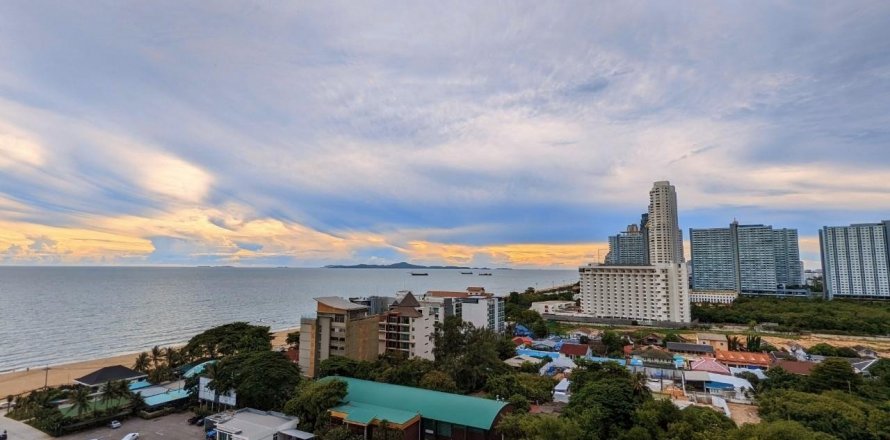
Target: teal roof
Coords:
[[197, 369], [397, 404], [357, 412]]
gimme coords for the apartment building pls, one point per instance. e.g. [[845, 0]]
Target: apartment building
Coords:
[[483, 310], [647, 294], [340, 328], [408, 327], [856, 260]]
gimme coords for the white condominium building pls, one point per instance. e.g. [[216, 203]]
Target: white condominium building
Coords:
[[856, 260], [659, 292]]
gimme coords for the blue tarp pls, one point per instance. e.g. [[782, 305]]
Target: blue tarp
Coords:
[[521, 330]]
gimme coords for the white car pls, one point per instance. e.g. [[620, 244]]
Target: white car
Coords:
[[114, 424], [131, 436]]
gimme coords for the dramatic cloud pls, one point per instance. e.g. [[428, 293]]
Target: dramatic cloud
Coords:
[[474, 133]]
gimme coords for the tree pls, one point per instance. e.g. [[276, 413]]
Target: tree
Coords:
[[142, 362], [229, 339], [778, 379], [839, 414], [155, 356], [346, 367], [614, 343], [313, 400], [264, 380], [80, 399], [293, 339], [519, 403], [753, 343], [833, 374], [438, 380], [778, 430], [339, 433], [734, 343], [522, 426]]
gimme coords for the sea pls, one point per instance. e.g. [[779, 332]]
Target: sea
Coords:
[[55, 315]]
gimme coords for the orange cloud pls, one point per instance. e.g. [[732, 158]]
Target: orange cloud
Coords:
[[562, 255]]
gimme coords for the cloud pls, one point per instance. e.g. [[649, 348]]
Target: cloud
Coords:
[[510, 134]]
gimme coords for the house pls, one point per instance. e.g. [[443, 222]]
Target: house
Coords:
[[545, 345], [652, 339], [865, 352], [521, 330], [100, 377], [862, 366], [715, 340], [710, 365], [253, 424], [523, 340], [742, 359], [794, 367], [585, 332], [689, 350], [520, 360], [575, 351], [561, 392], [340, 328], [416, 412], [728, 387]]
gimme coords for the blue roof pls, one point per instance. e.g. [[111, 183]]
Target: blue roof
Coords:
[[164, 398], [139, 384], [197, 369], [537, 353]]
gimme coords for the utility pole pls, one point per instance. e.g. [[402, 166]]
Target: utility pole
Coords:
[[45, 376]]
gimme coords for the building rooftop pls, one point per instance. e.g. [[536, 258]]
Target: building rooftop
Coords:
[[446, 294], [112, 373], [795, 367], [252, 423], [337, 302], [691, 348], [366, 401], [710, 365], [570, 349], [744, 357]]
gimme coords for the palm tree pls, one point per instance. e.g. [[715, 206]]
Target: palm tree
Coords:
[[80, 399], [734, 343], [171, 355], [142, 363], [155, 355], [640, 387], [108, 392]]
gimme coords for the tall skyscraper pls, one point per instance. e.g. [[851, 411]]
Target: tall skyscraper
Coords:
[[789, 268], [665, 238], [657, 290], [744, 258], [713, 259], [628, 247], [756, 257], [856, 260]]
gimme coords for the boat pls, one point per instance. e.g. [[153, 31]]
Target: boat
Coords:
[[466, 273], [485, 274], [419, 274]]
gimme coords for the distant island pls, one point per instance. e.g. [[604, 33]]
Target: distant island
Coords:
[[402, 265]]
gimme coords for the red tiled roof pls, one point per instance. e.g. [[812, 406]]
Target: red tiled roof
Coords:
[[795, 367], [519, 340], [570, 349], [475, 289], [742, 357]]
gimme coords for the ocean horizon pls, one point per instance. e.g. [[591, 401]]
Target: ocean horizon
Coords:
[[60, 314]]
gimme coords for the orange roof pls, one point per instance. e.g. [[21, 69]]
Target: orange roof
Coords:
[[795, 367], [742, 357], [519, 340]]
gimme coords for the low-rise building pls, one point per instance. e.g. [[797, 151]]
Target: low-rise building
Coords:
[[716, 340], [543, 307], [483, 310], [712, 296], [575, 351], [252, 424], [416, 412], [97, 379], [743, 359], [690, 351], [340, 328]]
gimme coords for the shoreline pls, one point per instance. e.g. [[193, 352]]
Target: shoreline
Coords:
[[23, 380]]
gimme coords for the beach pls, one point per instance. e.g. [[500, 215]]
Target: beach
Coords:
[[18, 382]]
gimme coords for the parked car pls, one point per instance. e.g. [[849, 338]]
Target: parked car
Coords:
[[131, 436], [114, 424]]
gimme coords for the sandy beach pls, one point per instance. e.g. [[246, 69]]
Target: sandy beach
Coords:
[[23, 381]]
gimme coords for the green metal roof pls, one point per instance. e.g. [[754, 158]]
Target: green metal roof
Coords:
[[363, 413], [395, 402]]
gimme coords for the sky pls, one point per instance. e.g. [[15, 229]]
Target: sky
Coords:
[[517, 134]]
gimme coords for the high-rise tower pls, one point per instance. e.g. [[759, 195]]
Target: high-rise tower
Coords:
[[665, 238]]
